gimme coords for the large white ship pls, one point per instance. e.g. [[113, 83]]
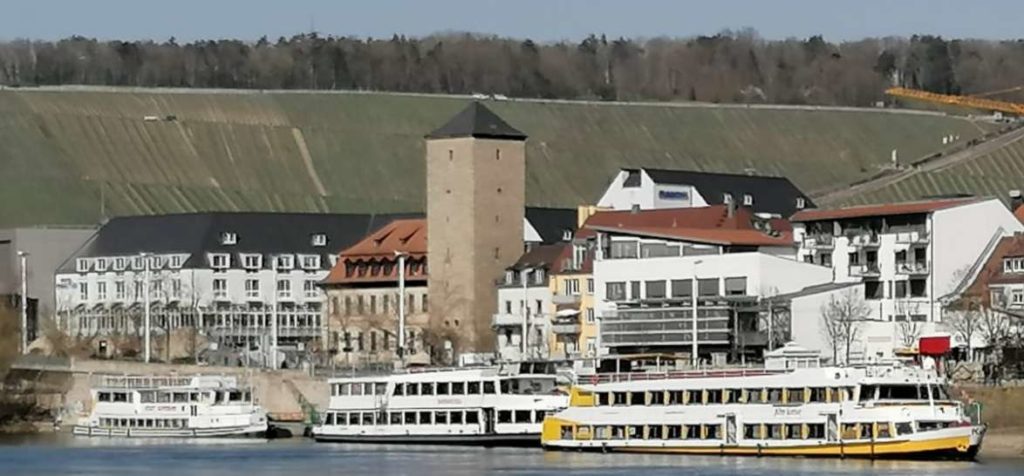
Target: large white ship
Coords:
[[793, 409], [172, 406], [485, 406]]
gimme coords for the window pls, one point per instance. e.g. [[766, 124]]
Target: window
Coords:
[[918, 288], [655, 289], [748, 200], [472, 417], [137, 292], [801, 203], [726, 198], [310, 290], [623, 250], [319, 239], [101, 291], [82, 265], [615, 291], [874, 290], [634, 290], [177, 261], [101, 265], [220, 288], [220, 261], [682, 288], [120, 264], [176, 288], [572, 287], [735, 286], [707, 287], [310, 261], [119, 290], [228, 238], [590, 285], [284, 289], [251, 261], [458, 388], [83, 291], [252, 288], [590, 315]]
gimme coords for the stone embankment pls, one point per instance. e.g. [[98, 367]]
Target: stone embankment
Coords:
[[1002, 409]]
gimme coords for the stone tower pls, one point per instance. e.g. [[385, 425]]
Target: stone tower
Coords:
[[476, 173]]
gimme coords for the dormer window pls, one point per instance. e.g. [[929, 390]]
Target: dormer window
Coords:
[[220, 260], [801, 203], [319, 239], [82, 265], [567, 235], [138, 264], [538, 276], [177, 261], [120, 264], [510, 277], [229, 238], [726, 198], [252, 261], [284, 261], [748, 200], [1013, 265], [101, 264], [310, 262]]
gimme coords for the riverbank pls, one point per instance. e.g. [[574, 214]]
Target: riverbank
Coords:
[[1003, 443]]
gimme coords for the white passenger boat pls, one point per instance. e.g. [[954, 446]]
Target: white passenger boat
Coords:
[[793, 409], [172, 406], [485, 406]]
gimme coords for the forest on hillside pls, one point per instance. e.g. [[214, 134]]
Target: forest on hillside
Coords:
[[731, 67]]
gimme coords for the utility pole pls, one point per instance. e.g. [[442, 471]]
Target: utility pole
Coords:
[[24, 301], [145, 298], [526, 313], [401, 307], [694, 360], [273, 314]]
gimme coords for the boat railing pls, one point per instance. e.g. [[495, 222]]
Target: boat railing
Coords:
[[130, 382], [676, 374]]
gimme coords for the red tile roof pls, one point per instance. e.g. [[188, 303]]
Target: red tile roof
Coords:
[[377, 252], [865, 211], [543, 256], [714, 236], [710, 224], [1019, 213]]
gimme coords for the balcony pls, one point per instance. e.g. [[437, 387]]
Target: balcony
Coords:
[[865, 270], [913, 268], [565, 299], [912, 238], [865, 240], [514, 320], [565, 328], [819, 242]]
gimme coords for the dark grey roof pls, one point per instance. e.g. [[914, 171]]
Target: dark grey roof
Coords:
[[477, 121], [550, 223], [775, 195], [257, 232]]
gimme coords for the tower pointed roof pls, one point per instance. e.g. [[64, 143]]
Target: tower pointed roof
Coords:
[[476, 120]]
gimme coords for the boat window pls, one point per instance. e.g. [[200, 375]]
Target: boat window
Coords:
[[410, 418], [473, 388], [602, 398], [353, 419], [426, 388], [103, 396], [673, 432], [774, 395], [472, 417], [619, 398], [444, 388], [329, 419], [565, 432], [357, 389], [506, 386], [752, 432], [882, 430], [346, 389], [601, 433], [523, 416], [654, 432], [399, 389], [795, 395], [120, 397], [382, 418], [637, 398], [931, 425], [367, 418], [181, 397], [850, 431], [368, 388], [711, 432], [412, 389], [657, 397], [440, 418], [865, 431], [618, 432], [940, 392], [714, 396], [504, 416], [147, 397], [730, 396], [774, 432], [692, 432], [538, 415], [634, 432], [455, 418], [794, 431], [900, 392], [817, 395], [675, 397], [458, 388], [395, 417], [867, 392], [425, 418], [489, 387], [194, 396], [816, 430]]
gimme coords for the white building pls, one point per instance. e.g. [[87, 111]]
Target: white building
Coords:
[[223, 274], [647, 189], [649, 265], [902, 258], [525, 294]]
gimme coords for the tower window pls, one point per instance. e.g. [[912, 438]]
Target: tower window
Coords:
[[448, 191], [451, 154], [497, 154], [497, 253], [499, 189]]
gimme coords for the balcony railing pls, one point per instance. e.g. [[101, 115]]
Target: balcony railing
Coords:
[[565, 328], [863, 270], [819, 242], [866, 240], [912, 267], [561, 299], [912, 237], [503, 319]]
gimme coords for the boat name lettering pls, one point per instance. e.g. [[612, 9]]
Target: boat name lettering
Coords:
[[449, 401], [787, 412], [160, 408]]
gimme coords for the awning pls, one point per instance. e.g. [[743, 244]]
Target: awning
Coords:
[[567, 313]]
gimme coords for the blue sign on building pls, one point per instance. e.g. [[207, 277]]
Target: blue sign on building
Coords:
[[673, 195]]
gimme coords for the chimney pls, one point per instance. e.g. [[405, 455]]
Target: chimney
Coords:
[[1016, 200], [730, 208]]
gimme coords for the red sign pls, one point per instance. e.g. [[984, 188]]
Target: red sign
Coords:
[[934, 345]]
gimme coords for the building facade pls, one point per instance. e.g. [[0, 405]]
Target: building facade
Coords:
[[222, 275], [364, 298], [574, 320], [524, 295]]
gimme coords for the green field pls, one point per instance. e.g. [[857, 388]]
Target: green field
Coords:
[[61, 151]]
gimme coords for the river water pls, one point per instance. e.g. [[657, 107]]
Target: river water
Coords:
[[67, 455]]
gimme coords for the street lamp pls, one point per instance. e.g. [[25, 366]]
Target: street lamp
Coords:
[[273, 313], [693, 329], [23, 255], [145, 298], [526, 312], [401, 306]]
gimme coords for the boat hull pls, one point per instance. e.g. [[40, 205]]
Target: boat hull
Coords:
[[518, 440], [239, 431]]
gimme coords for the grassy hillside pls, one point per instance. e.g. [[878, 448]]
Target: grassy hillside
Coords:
[[61, 151]]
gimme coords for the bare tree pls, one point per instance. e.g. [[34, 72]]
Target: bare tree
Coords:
[[842, 317], [963, 317], [775, 319], [908, 329]]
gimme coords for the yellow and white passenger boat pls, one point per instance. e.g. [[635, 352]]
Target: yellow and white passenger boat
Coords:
[[789, 408]]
